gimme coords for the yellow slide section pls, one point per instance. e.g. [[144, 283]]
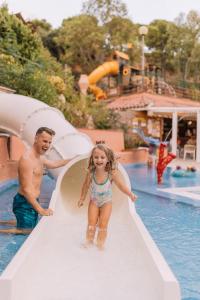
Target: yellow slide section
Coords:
[[111, 67]]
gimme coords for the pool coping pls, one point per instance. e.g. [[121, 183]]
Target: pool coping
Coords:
[[174, 194]]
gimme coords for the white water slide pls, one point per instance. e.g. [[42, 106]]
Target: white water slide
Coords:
[[51, 264]]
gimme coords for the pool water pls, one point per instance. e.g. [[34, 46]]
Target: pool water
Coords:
[[9, 243], [173, 224]]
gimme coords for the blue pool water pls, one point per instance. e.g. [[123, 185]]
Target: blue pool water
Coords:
[[9, 243], [173, 224]]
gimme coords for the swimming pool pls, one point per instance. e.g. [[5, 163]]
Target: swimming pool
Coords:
[[9, 243], [173, 224]]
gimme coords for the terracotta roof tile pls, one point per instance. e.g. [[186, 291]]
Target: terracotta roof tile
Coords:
[[142, 100], [129, 102]]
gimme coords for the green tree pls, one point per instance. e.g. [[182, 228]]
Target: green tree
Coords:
[[27, 80], [80, 42], [157, 42], [43, 28], [104, 118], [120, 33], [17, 39], [183, 42], [26, 64], [105, 10]]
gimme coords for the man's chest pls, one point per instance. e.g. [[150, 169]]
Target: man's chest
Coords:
[[37, 168]]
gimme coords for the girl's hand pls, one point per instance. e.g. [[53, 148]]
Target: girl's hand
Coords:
[[133, 197], [80, 203]]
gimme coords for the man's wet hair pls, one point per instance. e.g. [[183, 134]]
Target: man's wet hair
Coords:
[[45, 129]]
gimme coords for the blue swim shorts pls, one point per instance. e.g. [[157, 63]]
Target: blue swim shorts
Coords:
[[26, 216]]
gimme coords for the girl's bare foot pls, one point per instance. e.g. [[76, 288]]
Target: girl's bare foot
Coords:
[[87, 244], [100, 246]]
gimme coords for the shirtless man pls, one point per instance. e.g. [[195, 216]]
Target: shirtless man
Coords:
[[26, 206]]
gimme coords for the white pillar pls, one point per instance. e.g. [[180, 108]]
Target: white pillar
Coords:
[[174, 132], [198, 138]]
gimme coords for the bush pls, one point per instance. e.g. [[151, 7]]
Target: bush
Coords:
[[104, 118], [27, 80], [131, 141]]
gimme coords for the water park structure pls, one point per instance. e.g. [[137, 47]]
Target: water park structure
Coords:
[[51, 263], [128, 79]]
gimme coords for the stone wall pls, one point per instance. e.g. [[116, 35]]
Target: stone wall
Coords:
[[115, 140]]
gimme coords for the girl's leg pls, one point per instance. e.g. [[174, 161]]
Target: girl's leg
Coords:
[[93, 214], [105, 212]]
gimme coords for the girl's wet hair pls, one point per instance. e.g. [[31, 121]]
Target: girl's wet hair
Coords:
[[111, 164]]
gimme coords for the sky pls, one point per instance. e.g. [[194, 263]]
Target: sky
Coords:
[[140, 11]]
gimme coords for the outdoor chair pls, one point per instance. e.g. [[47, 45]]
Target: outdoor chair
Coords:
[[189, 149]]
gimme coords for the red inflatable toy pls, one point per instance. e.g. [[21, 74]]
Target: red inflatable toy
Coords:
[[163, 162]]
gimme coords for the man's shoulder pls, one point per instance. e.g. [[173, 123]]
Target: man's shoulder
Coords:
[[25, 158]]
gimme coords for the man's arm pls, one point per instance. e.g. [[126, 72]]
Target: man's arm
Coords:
[[27, 188], [55, 163]]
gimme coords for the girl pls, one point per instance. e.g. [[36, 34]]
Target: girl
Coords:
[[101, 173]]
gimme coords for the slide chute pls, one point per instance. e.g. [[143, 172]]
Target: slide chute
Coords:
[[146, 139], [51, 264], [107, 68]]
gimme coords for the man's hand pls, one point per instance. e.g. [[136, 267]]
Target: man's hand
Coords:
[[46, 212], [133, 197]]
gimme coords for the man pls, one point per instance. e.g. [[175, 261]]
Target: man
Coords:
[[26, 206]]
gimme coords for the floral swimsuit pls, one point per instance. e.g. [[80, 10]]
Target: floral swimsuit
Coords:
[[101, 193]]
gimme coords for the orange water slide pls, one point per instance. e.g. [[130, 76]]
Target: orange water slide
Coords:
[[111, 67]]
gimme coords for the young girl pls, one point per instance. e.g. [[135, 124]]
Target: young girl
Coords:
[[102, 172]]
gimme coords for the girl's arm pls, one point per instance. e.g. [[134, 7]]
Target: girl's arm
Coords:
[[119, 183], [84, 190]]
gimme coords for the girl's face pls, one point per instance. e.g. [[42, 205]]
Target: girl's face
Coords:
[[100, 159]]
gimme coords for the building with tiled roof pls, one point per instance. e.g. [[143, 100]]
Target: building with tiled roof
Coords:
[[146, 100], [163, 117]]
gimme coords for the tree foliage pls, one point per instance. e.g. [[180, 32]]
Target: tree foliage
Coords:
[[43, 29], [105, 10], [26, 64], [80, 42], [157, 40], [40, 62], [121, 32], [175, 45], [185, 42], [17, 39]]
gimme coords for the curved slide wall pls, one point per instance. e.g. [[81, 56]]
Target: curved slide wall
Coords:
[[22, 116], [51, 264], [111, 67]]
